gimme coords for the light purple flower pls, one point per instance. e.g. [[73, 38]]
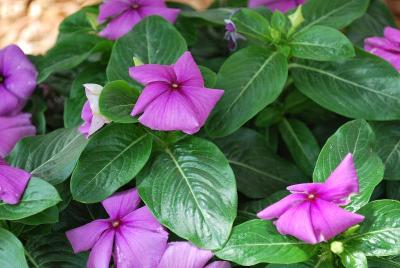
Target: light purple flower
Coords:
[[185, 255], [131, 234], [387, 47], [17, 80], [231, 35], [93, 119], [124, 14], [312, 213], [174, 97], [13, 129], [13, 182], [281, 5]]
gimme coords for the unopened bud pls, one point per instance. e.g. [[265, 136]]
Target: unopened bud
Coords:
[[337, 247], [296, 19], [137, 61]]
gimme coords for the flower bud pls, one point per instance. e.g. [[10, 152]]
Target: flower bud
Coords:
[[337, 247], [137, 61], [296, 19]]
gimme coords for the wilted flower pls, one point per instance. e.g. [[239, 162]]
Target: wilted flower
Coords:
[[231, 35], [132, 233], [13, 182], [185, 255], [13, 129], [124, 14], [312, 213], [281, 5], [387, 47], [93, 119], [17, 80], [174, 97]]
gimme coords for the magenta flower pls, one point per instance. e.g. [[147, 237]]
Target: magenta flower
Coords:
[[312, 213], [124, 14], [93, 119], [387, 47], [13, 182], [174, 97], [17, 80], [231, 35], [281, 5], [185, 255], [13, 129], [135, 236]]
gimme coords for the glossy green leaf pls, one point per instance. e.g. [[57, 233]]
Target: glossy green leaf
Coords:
[[353, 259], [153, 40], [209, 76], [354, 137], [251, 24], [259, 171], [111, 159], [191, 189], [252, 78], [117, 100], [11, 251], [52, 156], [47, 216], [258, 241], [384, 262]]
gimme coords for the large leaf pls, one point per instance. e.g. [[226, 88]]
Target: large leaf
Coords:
[[251, 24], [191, 189], [38, 196], [259, 171], [354, 137], [379, 233], [52, 156], [153, 40], [215, 15], [352, 87], [258, 241], [47, 216], [252, 78], [11, 251], [110, 160]]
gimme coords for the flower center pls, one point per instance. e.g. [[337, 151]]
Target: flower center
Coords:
[[135, 6], [311, 196], [115, 224], [174, 85], [1, 78]]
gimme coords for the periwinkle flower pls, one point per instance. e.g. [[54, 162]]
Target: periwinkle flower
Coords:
[[312, 213], [13, 129], [231, 35], [93, 119], [124, 14], [131, 234], [186, 255], [281, 5], [386, 47], [174, 97], [13, 182], [17, 80]]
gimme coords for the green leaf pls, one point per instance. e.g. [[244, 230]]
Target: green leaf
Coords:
[[47, 216], [117, 100], [191, 189], [321, 43], [209, 76], [379, 233], [301, 143], [214, 16], [386, 262], [111, 159], [251, 24], [52, 156], [259, 171], [352, 87], [78, 21], [38, 196], [353, 259], [252, 78], [153, 40], [354, 137], [11, 251], [258, 241]]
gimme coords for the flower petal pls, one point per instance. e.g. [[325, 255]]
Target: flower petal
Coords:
[[138, 248], [120, 25], [393, 35], [154, 3], [93, 92], [149, 73], [169, 14], [281, 5], [84, 237], [149, 94], [219, 264], [378, 42], [277, 209], [187, 72], [13, 61], [110, 9], [122, 203], [142, 218], [305, 188], [184, 255], [22, 83], [87, 116], [391, 57], [100, 255], [297, 222], [10, 104], [330, 220], [13, 182]]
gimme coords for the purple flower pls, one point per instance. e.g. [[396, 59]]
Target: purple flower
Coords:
[[387, 47], [17, 80], [13, 182], [13, 129], [185, 255], [131, 234], [231, 35], [124, 14], [312, 213], [93, 119], [174, 97], [281, 5]]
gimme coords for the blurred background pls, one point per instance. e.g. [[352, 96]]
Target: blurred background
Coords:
[[32, 24]]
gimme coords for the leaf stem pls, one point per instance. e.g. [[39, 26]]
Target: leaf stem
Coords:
[[31, 260]]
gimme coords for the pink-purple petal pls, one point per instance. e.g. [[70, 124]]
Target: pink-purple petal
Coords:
[[187, 71], [219, 264], [13, 182], [100, 255], [111, 8], [277, 209], [281, 5], [21, 84], [184, 255], [170, 14], [149, 94], [144, 219], [149, 73], [10, 104], [122, 203], [120, 25], [305, 188], [392, 34]]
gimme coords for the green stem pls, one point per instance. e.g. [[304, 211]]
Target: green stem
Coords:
[[90, 212], [31, 260]]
